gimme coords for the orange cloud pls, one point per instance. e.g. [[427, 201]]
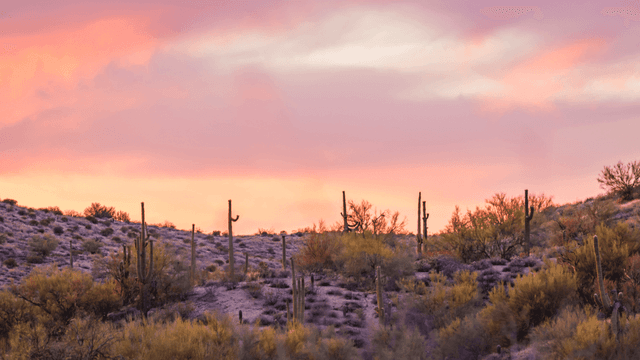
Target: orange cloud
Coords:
[[534, 83], [62, 58]]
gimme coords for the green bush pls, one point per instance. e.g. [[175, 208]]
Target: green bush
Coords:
[[3, 238], [91, 219], [106, 231], [58, 230], [397, 343], [10, 201], [43, 245], [537, 297]]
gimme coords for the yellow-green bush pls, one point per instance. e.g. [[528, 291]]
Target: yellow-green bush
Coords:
[[397, 343], [443, 303], [319, 251], [461, 339], [13, 310], [497, 319], [178, 340], [60, 294], [537, 297], [578, 334], [614, 251]]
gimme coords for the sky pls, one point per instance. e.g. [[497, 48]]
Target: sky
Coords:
[[282, 105]]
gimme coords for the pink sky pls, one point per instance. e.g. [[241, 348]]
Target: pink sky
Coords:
[[281, 105]]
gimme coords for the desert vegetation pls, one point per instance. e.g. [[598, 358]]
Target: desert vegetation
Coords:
[[521, 278]]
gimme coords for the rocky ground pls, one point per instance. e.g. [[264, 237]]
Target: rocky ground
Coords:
[[330, 301]]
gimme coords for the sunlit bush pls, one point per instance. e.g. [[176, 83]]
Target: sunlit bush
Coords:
[[537, 297]]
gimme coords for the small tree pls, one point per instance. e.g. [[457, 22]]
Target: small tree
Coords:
[[621, 179]]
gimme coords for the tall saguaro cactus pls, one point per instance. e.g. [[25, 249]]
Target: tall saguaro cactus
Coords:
[[346, 228], [425, 216], [528, 215], [613, 309], [297, 295], [144, 272], [192, 275], [70, 254], [231, 259], [379, 295], [418, 235], [284, 253]]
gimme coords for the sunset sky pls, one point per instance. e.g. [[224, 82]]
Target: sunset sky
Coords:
[[281, 105]]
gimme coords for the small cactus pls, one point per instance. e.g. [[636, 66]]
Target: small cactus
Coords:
[[70, 254], [284, 253], [613, 309], [193, 256], [418, 235]]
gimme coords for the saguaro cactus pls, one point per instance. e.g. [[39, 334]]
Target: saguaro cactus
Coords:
[[425, 216], [528, 215], [613, 309], [231, 259], [284, 253], [246, 263], [144, 273], [297, 295], [345, 228], [192, 275], [70, 254], [418, 235], [379, 294]]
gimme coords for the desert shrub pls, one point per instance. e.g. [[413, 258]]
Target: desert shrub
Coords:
[[631, 285], [122, 216], [91, 246], [10, 201], [72, 213], [43, 245], [10, 263], [99, 211], [34, 223], [35, 259], [319, 252], [497, 319], [1, 219], [487, 280], [101, 299], [106, 231], [614, 251], [59, 293], [462, 339], [84, 338], [442, 303], [537, 297], [58, 230], [361, 254], [578, 333], [400, 342], [13, 310], [3, 238], [148, 339], [46, 222], [91, 219], [170, 276], [423, 265], [621, 179], [448, 265]]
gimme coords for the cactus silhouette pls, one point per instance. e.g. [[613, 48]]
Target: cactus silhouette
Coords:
[[613, 309], [425, 216], [231, 259], [144, 272], [192, 275], [528, 215], [418, 235], [379, 296]]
